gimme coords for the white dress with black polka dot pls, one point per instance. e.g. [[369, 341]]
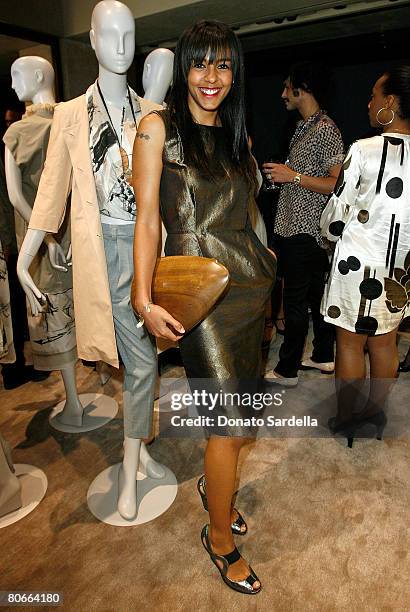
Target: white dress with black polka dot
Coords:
[[368, 289]]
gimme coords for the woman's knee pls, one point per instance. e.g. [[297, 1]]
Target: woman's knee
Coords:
[[383, 341], [349, 341]]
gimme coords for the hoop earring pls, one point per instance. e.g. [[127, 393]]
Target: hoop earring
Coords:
[[387, 122]]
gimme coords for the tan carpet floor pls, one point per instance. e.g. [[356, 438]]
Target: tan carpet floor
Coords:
[[328, 526]]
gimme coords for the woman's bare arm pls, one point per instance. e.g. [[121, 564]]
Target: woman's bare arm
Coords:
[[146, 176]]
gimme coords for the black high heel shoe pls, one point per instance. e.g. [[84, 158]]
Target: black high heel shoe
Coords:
[[349, 428], [346, 428], [378, 420], [239, 526], [242, 586]]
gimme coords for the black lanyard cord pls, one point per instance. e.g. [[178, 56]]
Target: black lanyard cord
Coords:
[[123, 112]]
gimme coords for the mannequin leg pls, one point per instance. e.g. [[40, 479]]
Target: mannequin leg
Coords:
[[139, 356], [127, 479], [151, 468], [72, 413], [10, 487], [135, 455]]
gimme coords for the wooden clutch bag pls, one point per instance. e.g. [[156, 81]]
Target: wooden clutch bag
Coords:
[[187, 287]]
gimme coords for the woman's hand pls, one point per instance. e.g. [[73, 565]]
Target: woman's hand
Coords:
[[161, 324]]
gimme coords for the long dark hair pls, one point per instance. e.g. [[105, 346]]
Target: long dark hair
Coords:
[[211, 40], [397, 84]]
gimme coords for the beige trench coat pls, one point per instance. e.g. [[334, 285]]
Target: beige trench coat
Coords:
[[68, 166]]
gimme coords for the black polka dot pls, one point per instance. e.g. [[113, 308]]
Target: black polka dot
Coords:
[[366, 325], [343, 267], [363, 216], [334, 312], [353, 263], [336, 228], [394, 187], [371, 288]]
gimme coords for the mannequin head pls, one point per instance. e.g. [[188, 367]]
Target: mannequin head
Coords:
[[32, 78], [112, 35], [157, 74]]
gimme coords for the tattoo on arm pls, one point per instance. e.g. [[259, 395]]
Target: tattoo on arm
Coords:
[[142, 136]]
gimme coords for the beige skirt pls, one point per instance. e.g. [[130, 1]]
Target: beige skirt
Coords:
[[52, 333]]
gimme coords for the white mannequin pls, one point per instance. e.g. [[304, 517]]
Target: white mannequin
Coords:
[[112, 37], [156, 80], [157, 74], [33, 80]]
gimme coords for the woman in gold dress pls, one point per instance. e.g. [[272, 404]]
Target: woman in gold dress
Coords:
[[192, 165]]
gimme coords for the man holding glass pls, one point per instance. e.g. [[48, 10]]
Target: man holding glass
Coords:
[[308, 177]]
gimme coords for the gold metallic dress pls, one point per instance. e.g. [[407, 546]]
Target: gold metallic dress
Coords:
[[209, 217]]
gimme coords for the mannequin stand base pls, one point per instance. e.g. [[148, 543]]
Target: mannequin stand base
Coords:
[[154, 497], [33, 488], [98, 410]]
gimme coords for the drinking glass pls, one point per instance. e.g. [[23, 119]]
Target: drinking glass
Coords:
[[268, 183]]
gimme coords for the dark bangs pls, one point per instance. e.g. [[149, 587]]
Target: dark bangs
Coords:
[[214, 41]]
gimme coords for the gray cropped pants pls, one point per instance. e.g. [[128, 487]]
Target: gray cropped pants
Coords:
[[135, 345]]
